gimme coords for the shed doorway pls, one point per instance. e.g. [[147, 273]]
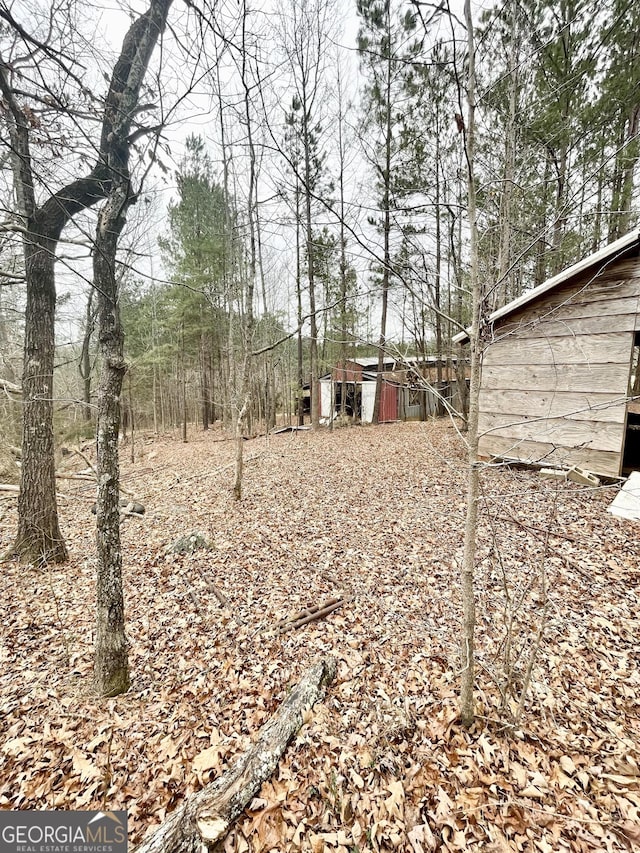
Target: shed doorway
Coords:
[[631, 455], [353, 399]]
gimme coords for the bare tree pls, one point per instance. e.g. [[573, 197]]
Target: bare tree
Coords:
[[305, 30], [248, 316], [111, 671], [41, 223], [467, 656]]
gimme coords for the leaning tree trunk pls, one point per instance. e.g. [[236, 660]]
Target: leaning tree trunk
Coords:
[[111, 668]]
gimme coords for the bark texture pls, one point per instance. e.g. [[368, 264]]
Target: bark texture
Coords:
[[111, 668], [39, 539], [204, 820]]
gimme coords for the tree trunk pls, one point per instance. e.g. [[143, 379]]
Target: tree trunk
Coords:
[[247, 318], [204, 376], [504, 291], [111, 667], [467, 651], [132, 416], [39, 539], [313, 343], [84, 366], [183, 384], [628, 171], [386, 201], [300, 373], [204, 820]]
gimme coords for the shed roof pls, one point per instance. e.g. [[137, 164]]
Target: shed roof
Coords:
[[597, 259], [371, 362]]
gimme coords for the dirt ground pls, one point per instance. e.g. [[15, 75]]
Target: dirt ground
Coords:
[[374, 514]]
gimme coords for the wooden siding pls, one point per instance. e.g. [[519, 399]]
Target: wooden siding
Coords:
[[579, 407], [565, 349], [555, 376], [539, 453], [557, 431]]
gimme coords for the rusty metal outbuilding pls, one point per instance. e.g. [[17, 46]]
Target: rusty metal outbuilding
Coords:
[[409, 390]]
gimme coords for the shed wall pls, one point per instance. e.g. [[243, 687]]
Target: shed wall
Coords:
[[326, 402], [388, 403], [555, 376], [368, 400]]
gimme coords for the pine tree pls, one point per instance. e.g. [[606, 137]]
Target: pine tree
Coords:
[[381, 44], [200, 252]]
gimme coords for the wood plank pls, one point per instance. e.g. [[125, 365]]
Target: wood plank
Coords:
[[595, 435], [609, 378], [616, 281], [532, 328], [600, 462], [578, 310], [580, 407], [611, 347], [615, 284], [626, 269]]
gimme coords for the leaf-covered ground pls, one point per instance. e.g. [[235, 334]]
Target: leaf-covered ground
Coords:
[[375, 515]]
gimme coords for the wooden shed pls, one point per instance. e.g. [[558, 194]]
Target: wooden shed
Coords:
[[560, 378]]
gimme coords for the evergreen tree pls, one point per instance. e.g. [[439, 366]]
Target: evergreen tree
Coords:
[[382, 42], [201, 253]]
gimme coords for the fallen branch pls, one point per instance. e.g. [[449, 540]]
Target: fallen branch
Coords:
[[86, 460], [84, 477], [309, 614], [224, 601], [556, 533], [222, 598], [90, 465], [205, 818]]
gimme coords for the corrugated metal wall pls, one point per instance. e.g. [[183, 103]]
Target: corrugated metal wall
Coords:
[[388, 402]]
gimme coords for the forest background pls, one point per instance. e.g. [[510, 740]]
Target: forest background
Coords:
[[328, 200], [313, 160]]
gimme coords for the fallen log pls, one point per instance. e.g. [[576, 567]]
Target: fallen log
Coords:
[[87, 478], [7, 487], [203, 821]]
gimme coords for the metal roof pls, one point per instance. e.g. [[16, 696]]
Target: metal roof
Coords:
[[602, 257], [401, 360]]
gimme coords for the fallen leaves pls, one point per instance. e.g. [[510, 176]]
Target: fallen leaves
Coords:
[[371, 517]]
